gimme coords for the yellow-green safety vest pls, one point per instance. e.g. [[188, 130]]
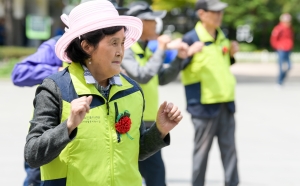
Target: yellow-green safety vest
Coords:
[[211, 67], [95, 157], [150, 89]]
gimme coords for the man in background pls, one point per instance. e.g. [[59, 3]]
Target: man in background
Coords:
[[210, 91]]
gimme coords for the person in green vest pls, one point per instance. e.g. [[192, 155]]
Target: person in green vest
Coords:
[[146, 67], [210, 91], [87, 127]]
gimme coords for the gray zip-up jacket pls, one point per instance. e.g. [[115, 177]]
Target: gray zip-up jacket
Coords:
[[47, 137], [143, 74]]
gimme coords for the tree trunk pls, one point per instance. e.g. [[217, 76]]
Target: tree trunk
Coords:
[[9, 31]]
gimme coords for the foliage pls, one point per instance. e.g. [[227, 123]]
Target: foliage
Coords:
[[246, 47], [15, 52], [261, 15], [9, 56], [7, 66], [169, 5]]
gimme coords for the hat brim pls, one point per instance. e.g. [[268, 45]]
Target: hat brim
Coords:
[[218, 6], [152, 15], [134, 30]]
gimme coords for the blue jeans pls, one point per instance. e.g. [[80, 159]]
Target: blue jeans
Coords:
[[33, 176], [283, 56]]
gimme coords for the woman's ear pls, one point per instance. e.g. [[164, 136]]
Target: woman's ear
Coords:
[[87, 47]]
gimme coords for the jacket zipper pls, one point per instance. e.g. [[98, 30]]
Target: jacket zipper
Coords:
[[111, 147], [116, 115]]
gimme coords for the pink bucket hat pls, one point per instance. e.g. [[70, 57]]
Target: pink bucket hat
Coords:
[[94, 15]]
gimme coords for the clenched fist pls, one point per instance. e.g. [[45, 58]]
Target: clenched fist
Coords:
[[168, 116], [195, 48], [79, 108], [163, 40]]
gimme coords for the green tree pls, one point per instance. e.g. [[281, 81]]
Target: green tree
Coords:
[[260, 15]]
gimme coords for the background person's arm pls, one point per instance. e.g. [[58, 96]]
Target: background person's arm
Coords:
[[142, 74], [36, 67], [274, 37]]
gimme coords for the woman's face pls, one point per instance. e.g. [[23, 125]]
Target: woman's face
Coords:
[[107, 57]]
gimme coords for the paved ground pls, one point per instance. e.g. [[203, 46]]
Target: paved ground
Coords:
[[267, 134]]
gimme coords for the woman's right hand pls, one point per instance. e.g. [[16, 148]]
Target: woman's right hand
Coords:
[[79, 108]]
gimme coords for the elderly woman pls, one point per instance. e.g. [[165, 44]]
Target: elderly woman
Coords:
[[87, 126]]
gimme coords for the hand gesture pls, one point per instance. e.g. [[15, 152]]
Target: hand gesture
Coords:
[[174, 44], [79, 108], [234, 48], [183, 50], [168, 116], [163, 40], [195, 48], [182, 47]]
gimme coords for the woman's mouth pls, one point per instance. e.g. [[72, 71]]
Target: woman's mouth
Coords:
[[117, 62]]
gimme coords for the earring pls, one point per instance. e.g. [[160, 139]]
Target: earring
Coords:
[[90, 61]]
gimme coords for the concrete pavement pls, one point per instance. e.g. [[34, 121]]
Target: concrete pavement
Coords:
[[267, 135]]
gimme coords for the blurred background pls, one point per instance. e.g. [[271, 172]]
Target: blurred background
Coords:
[[268, 119], [25, 24]]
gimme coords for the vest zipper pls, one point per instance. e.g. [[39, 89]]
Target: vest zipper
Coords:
[[111, 146], [107, 107], [116, 116]]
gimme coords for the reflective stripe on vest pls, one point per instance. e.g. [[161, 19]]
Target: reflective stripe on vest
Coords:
[[211, 67], [94, 156], [150, 89]]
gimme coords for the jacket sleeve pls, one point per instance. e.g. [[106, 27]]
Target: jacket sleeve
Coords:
[[274, 37], [170, 72], [151, 141], [47, 137], [36, 67], [142, 74]]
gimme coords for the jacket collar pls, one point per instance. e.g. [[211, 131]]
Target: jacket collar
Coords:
[[83, 88], [204, 36]]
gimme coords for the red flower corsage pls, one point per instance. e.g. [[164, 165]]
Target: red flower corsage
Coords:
[[224, 50], [123, 123]]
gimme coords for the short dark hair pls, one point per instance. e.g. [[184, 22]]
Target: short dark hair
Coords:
[[77, 54]]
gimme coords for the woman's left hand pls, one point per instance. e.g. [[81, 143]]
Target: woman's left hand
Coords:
[[168, 116]]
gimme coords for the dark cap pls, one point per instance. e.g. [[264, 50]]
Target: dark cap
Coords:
[[142, 10], [211, 5]]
